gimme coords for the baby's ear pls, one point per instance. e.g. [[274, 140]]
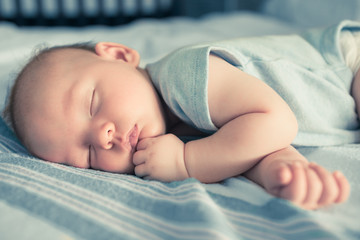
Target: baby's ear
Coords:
[[116, 51]]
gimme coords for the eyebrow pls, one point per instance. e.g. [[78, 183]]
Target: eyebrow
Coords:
[[69, 94], [74, 98], [66, 105]]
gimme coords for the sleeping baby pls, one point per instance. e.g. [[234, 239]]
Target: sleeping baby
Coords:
[[249, 102]]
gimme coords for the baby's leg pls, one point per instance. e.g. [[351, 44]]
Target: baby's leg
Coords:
[[287, 174]]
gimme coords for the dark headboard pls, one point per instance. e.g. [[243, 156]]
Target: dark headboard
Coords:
[[109, 12]]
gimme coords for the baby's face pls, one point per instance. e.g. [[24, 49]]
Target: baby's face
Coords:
[[90, 110]]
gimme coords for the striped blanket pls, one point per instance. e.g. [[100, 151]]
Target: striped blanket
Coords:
[[41, 200]]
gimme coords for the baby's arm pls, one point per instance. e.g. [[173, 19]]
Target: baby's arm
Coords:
[[253, 121], [256, 128]]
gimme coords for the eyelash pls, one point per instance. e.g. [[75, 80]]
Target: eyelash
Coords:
[[91, 114], [89, 156], [91, 102]]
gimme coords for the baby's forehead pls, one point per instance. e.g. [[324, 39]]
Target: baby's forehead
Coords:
[[58, 56], [38, 83], [50, 70], [44, 62], [55, 60], [40, 74]]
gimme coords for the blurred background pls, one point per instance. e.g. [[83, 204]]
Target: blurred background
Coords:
[[116, 12]]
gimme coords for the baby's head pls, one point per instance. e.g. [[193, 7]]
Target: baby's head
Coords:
[[85, 106]]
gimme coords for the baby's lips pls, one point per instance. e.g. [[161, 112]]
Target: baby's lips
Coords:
[[134, 137]]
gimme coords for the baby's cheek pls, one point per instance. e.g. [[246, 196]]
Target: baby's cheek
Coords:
[[116, 162], [76, 165]]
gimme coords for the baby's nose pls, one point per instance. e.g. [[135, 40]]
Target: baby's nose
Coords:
[[105, 135]]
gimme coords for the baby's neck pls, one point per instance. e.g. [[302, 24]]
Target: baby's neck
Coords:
[[173, 123], [176, 126]]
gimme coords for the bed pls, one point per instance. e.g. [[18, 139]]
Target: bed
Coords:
[[42, 200]]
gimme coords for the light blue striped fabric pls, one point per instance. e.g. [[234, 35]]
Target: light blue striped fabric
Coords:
[[42, 199]]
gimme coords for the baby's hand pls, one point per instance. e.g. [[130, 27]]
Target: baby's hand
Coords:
[[308, 185], [160, 158]]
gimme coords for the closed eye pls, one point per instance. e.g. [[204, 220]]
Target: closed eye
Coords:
[[89, 159], [92, 103]]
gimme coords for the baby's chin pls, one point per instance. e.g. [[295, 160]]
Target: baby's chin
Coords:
[[130, 170], [127, 169]]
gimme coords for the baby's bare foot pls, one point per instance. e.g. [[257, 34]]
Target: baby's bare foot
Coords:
[[307, 185]]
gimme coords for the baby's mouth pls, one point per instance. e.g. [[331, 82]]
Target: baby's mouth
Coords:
[[133, 137]]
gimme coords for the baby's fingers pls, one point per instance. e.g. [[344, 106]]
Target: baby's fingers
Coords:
[[330, 187], [344, 187], [314, 190], [297, 189], [139, 157], [141, 171], [143, 143]]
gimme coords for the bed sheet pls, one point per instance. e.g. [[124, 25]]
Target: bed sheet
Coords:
[[41, 200]]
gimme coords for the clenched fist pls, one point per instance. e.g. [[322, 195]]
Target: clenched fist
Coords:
[[161, 158]]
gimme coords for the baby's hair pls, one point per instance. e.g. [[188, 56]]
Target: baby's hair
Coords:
[[10, 112]]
